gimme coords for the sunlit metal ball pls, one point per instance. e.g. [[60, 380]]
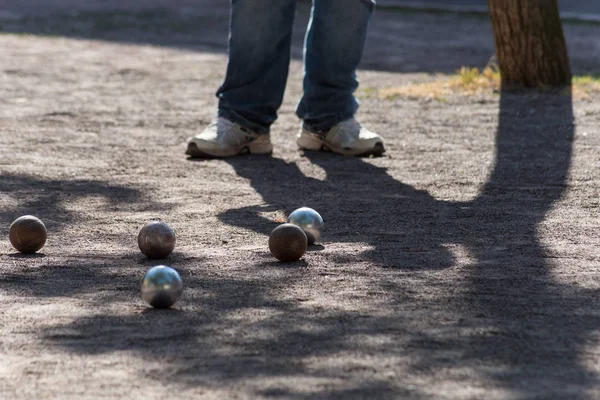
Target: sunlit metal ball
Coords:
[[156, 240], [28, 234], [287, 242], [161, 287], [310, 221]]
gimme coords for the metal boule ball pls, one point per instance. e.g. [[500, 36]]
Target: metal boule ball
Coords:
[[287, 242], [161, 286], [310, 221], [28, 234], [156, 240]]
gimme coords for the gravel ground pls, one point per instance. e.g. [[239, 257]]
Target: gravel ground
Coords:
[[461, 265]]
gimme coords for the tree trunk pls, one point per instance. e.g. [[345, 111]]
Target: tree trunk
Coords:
[[530, 45]]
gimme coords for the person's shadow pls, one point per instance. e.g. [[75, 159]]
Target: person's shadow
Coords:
[[530, 326]]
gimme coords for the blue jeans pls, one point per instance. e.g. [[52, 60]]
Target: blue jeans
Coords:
[[259, 57]]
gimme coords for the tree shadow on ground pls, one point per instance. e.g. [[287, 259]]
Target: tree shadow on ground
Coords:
[[515, 319], [513, 322], [534, 327], [214, 345], [48, 198]]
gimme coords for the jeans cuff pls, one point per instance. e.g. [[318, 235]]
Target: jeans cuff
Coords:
[[323, 126], [238, 119]]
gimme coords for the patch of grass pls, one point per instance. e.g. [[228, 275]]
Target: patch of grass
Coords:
[[467, 82], [472, 81], [367, 92], [584, 85], [586, 80]]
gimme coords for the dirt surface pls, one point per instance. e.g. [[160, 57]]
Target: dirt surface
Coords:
[[462, 265]]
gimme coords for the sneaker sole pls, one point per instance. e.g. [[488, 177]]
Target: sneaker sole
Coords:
[[252, 148], [313, 144]]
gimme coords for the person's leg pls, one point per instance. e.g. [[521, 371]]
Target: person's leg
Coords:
[[333, 49], [259, 57]]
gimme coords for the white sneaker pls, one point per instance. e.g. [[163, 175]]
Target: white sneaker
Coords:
[[224, 138], [348, 138]]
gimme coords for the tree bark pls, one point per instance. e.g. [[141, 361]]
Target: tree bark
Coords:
[[530, 45]]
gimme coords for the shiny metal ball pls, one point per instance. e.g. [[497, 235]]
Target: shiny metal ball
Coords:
[[310, 221], [161, 287], [28, 234], [156, 240], [288, 242]]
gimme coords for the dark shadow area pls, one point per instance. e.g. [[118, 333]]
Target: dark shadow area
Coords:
[[210, 345], [376, 390], [161, 311], [26, 256], [536, 327], [422, 42], [46, 198], [284, 265], [530, 326], [315, 247], [173, 258], [400, 40], [361, 202], [102, 276]]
